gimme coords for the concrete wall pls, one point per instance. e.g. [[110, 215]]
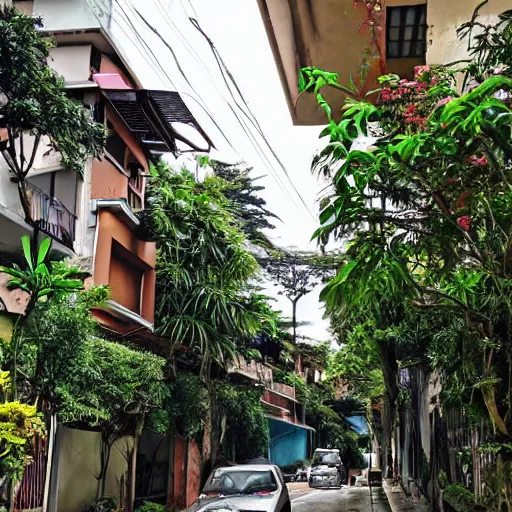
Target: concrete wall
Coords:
[[78, 462], [66, 14], [445, 17]]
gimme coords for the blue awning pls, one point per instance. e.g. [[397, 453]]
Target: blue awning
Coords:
[[359, 424]]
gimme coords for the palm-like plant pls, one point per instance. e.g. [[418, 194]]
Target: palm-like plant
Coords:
[[203, 266], [41, 279]]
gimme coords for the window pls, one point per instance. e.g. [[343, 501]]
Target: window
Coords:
[[126, 278], [406, 31], [135, 181], [115, 146]]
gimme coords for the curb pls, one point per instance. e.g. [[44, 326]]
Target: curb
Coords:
[[399, 502]]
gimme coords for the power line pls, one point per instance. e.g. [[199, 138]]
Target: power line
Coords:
[[250, 136], [254, 121], [157, 62], [223, 69]]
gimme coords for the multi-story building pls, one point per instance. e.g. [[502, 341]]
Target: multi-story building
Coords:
[[291, 439], [95, 219], [370, 36]]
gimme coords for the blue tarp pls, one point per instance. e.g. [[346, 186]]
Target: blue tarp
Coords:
[[288, 442], [358, 423]]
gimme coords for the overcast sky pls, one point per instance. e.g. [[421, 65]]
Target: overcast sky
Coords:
[[236, 29]]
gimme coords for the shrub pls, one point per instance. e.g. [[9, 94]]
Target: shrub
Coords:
[[149, 506], [459, 498], [19, 424], [102, 505]]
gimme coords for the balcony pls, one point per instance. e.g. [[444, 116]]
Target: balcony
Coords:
[[51, 217], [284, 390], [250, 370]]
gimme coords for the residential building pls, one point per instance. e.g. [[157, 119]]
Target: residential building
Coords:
[[291, 439], [371, 36], [93, 220]]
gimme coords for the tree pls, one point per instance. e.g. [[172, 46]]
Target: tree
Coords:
[[42, 280], [298, 273], [249, 207], [85, 380], [427, 202], [203, 268], [33, 100]]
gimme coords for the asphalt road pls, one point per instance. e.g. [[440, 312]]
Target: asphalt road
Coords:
[[347, 499]]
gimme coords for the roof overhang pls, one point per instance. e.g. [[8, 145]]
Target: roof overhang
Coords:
[[297, 425], [151, 115]]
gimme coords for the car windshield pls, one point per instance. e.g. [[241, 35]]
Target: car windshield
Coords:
[[326, 458], [232, 481]]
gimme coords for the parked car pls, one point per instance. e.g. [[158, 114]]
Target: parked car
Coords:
[[327, 470], [258, 487], [289, 477]]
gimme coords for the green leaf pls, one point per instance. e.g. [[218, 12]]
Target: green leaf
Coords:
[[345, 271], [27, 250], [43, 250], [68, 284]]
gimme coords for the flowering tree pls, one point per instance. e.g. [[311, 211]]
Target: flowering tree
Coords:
[[421, 188]]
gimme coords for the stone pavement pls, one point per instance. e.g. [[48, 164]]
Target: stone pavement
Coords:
[[400, 502]]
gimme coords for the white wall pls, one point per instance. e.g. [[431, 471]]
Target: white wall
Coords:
[[444, 17]]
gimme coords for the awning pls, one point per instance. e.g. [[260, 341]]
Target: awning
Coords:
[[155, 116], [359, 424], [301, 425], [111, 81]]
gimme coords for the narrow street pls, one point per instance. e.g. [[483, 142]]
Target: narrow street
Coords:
[[347, 499]]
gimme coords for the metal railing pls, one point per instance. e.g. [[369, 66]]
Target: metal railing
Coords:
[[51, 216]]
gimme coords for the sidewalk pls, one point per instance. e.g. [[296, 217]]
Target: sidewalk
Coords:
[[400, 502]]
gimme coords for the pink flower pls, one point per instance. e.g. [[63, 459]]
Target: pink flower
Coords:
[[464, 222], [419, 71], [452, 180], [481, 162], [444, 101]]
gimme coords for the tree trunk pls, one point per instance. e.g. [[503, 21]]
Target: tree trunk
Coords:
[[294, 321], [298, 359], [390, 371], [132, 464], [106, 448], [24, 200]]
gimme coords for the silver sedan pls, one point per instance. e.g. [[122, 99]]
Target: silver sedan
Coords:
[[258, 488]]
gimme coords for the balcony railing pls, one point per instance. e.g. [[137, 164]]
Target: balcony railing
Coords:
[[51, 216], [284, 389], [252, 369]]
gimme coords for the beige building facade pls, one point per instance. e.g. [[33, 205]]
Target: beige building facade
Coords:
[[353, 40]]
